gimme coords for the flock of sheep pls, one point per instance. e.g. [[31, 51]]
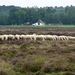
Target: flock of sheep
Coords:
[[35, 37]]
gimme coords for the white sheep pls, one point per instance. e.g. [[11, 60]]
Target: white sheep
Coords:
[[22, 36], [29, 37], [11, 37], [33, 37], [71, 38], [63, 37], [40, 37], [17, 37], [1, 37], [50, 37], [55, 37], [5, 36], [26, 37], [36, 37]]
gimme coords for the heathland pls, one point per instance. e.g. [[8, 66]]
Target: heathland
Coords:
[[25, 57]]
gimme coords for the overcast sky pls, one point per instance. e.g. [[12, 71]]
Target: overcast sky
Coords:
[[39, 3]]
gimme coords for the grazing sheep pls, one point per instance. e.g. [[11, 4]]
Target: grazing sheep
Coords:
[[1, 37], [5, 36], [71, 38], [22, 36], [17, 37], [26, 37], [55, 37], [63, 37], [11, 37], [29, 37], [33, 37], [40, 37], [49, 37]]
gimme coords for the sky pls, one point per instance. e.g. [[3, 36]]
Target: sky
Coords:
[[38, 3]]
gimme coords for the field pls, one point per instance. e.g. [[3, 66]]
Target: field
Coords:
[[25, 57]]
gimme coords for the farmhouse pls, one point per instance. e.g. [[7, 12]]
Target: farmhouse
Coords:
[[39, 23]]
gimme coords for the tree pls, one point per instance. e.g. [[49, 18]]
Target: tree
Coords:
[[17, 16], [31, 15], [49, 14], [4, 18], [71, 15]]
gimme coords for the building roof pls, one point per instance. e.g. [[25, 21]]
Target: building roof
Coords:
[[40, 21]]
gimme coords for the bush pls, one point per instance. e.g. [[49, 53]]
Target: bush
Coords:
[[32, 66], [3, 73], [35, 67]]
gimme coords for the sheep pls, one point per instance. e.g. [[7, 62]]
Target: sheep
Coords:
[[17, 37], [55, 37], [50, 37], [40, 37], [63, 37], [11, 37], [22, 36], [1, 37], [26, 37], [33, 37], [5, 36], [71, 38], [29, 37]]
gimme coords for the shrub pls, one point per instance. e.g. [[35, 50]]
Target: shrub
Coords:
[[32, 66], [3, 73], [23, 47], [35, 67], [6, 68]]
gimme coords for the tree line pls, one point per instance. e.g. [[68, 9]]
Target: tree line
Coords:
[[11, 15]]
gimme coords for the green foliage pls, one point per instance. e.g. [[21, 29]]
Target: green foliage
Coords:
[[12, 15]]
